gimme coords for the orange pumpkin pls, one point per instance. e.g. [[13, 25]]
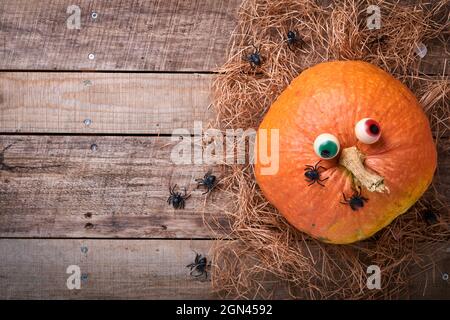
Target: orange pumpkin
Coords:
[[369, 182]]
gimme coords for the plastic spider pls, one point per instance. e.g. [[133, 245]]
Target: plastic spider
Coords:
[[356, 201], [209, 181], [176, 199], [293, 40], [254, 58], [312, 174], [199, 266]]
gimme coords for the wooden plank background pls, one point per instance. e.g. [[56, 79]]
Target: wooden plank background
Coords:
[[130, 103], [152, 35], [134, 269], [110, 269], [58, 186], [94, 195]]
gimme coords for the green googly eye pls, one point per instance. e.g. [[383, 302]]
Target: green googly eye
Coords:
[[326, 146]]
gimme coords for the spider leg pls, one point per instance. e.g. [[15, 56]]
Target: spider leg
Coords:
[[345, 198], [314, 181], [323, 179], [290, 44], [320, 183], [207, 174], [320, 167], [315, 166], [6, 148]]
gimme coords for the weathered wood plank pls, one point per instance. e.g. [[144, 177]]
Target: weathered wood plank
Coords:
[[106, 186], [133, 269], [114, 102], [434, 283], [125, 269], [152, 35], [99, 186], [128, 103]]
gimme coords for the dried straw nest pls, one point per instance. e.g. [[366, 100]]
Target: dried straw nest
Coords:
[[266, 252]]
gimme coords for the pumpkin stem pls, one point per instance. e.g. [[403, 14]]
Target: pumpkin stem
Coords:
[[353, 160]]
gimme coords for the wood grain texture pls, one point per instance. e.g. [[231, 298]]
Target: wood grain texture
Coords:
[[114, 102], [110, 269], [113, 187], [134, 269], [146, 35], [58, 186], [152, 35]]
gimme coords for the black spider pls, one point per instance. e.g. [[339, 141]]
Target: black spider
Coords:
[[430, 217], [176, 199], [209, 181], [254, 58], [380, 41], [293, 40], [199, 266], [312, 174], [356, 201]]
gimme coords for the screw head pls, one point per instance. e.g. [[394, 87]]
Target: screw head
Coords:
[[94, 147], [87, 122], [91, 56], [445, 276], [94, 15]]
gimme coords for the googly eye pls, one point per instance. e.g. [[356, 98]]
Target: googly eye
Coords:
[[368, 131], [326, 146]]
